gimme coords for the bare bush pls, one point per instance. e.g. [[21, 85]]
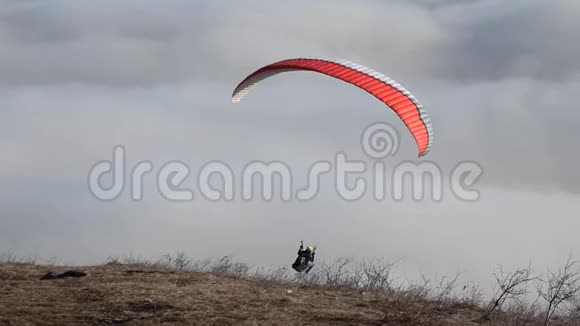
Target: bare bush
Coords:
[[8, 258], [200, 265], [573, 317], [179, 262], [520, 312], [417, 290], [227, 265], [560, 287], [443, 291], [377, 275], [131, 260], [271, 274], [471, 294], [311, 279], [346, 272], [336, 274], [512, 285]]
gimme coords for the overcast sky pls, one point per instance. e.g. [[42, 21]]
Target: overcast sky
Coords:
[[499, 79]]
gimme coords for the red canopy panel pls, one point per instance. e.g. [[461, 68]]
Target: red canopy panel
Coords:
[[380, 86]]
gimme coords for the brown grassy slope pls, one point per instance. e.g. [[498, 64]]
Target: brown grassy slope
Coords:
[[140, 295]]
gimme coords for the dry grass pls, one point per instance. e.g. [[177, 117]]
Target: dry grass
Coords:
[[148, 294], [178, 291]]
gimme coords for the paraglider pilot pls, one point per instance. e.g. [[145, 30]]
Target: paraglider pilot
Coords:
[[305, 260]]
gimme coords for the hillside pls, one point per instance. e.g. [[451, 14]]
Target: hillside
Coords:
[[137, 295], [179, 291]]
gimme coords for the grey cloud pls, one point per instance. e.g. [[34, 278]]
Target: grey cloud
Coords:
[[521, 131], [189, 41], [495, 40], [36, 22], [438, 4], [142, 44]]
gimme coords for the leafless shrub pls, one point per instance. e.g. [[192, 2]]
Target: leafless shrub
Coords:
[[512, 285], [443, 291], [573, 317], [435, 290], [271, 274], [200, 265], [8, 258], [346, 272], [227, 265], [132, 260], [311, 279], [337, 273], [520, 312], [178, 262], [53, 261], [471, 294], [11, 258], [417, 290], [377, 275], [560, 288]]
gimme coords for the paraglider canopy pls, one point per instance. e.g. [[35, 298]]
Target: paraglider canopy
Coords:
[[401, 101]]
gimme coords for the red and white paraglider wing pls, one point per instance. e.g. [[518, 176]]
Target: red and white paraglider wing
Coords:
[[380, 86]]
